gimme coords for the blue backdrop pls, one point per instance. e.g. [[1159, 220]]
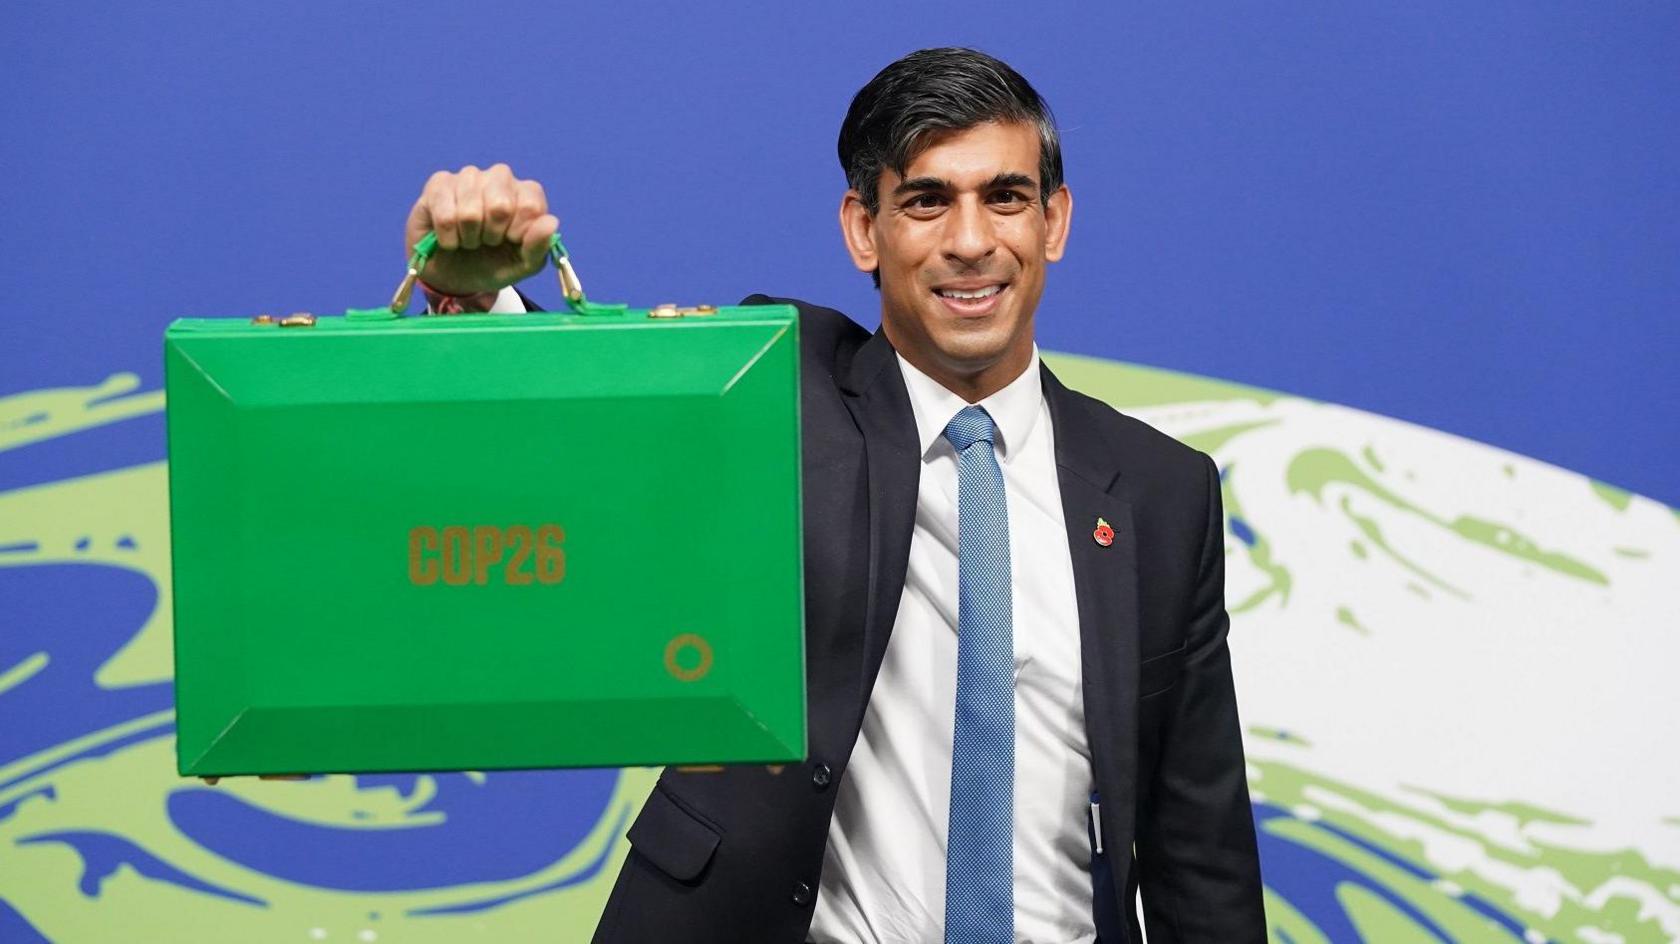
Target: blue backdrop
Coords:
[[1466, 217]]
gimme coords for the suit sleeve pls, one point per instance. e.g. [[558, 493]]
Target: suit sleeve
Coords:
[[1198, 867]]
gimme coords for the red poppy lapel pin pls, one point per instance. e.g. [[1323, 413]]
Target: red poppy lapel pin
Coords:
[[1104, 535]]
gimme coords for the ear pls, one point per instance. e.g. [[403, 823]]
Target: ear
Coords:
[[857, 225], [1058, 213]]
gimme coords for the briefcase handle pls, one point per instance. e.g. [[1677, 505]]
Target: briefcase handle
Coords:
[[570, 286]]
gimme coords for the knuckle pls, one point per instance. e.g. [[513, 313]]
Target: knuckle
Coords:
[[498, 210]]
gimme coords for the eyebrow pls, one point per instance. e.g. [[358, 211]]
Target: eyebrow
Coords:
[[1002, 181]]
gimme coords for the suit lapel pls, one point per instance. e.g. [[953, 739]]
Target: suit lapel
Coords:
[[1105, 586], [1105, 578], [879, 402]]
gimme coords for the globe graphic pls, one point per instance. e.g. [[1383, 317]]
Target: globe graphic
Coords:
[[1455, 665]]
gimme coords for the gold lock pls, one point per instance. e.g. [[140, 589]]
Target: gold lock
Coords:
[[263, 320], [298, 319], [673, 310]]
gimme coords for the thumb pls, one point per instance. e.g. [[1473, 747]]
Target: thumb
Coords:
[[534, 247]]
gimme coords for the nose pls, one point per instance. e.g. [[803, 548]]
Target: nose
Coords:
[[969, 235]]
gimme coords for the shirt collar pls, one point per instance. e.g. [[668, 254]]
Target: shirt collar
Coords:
[[1014, 409]]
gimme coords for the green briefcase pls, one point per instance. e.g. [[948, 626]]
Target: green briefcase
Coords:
[[478, 542]]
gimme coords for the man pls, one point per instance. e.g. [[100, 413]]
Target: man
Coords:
[[1020, 697]]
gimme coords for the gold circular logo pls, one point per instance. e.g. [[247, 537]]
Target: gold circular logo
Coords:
[[675, 647]]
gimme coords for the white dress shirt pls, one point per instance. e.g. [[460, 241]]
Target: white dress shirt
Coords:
[[507, 302], [883, 878]]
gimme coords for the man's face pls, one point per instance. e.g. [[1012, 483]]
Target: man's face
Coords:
[[961, 240]]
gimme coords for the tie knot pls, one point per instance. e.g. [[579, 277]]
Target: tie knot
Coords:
[[971, 425]]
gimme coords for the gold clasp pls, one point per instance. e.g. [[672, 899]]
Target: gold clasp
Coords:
[[570, 285], [673, 310], [405, 291]]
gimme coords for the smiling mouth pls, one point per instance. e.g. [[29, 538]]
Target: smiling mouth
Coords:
[[981, 300], [970, 295]]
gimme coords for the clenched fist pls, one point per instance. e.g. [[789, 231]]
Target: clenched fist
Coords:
[[493, 229]]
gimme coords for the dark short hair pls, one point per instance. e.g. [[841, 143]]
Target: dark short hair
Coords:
[[930, 91]]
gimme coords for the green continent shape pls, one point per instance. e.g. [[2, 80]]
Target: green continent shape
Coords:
[[1315, 469], [124, 792]]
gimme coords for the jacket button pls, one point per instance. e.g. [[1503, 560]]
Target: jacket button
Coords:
[[821, 776], [801, 893]]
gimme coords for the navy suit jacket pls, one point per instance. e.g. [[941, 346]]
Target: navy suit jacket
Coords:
[[736, 856]]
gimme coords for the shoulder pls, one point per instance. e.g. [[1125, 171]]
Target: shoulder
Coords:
[[827, 337], [1133, 440], [1166, 480]]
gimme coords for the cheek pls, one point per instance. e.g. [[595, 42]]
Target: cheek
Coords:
[[902, 261], [1026, 242], [906, 247]]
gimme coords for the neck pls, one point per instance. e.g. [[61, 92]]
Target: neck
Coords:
[[972, 384]]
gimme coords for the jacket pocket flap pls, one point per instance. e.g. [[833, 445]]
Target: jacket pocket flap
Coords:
[[672, 838], [1158, 673]]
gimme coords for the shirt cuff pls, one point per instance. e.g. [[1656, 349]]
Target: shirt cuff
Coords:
[[508, 302]]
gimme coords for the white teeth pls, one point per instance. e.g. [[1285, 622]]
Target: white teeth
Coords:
[[986, 292]]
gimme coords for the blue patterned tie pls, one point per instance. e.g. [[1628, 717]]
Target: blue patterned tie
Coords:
[[979, 866]]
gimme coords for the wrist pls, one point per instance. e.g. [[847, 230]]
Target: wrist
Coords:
[[445, 303]]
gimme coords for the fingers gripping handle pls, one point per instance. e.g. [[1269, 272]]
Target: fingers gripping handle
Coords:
[[570, 286]]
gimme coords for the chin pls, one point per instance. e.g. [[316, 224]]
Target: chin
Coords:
[[970, 353]]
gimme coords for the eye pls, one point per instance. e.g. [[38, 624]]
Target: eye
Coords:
[[926, 201], [1009, 196]]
